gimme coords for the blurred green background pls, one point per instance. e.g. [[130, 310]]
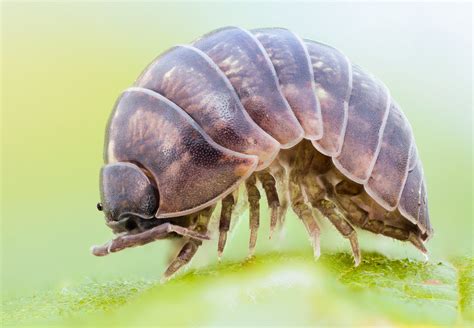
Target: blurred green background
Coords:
[[64, 64]]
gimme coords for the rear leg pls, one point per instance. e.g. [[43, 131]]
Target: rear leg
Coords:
[[379, 227], [269, 185], [334, 215], [318, 189], [254, 211]]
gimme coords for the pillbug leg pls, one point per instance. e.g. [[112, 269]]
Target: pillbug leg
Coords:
[[284, 204], [333, 214], [405, 235], [418, 243], [268, 183], [159, 232], [228, 204], [200, 224], [202, 220], [303, 211], [184, 256], [300, 169], [254, 211], [281, 178], [379, 227]]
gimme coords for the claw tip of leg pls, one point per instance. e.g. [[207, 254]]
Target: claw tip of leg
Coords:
[[356, 261], [426, 257], [316, 247], [316, 254]]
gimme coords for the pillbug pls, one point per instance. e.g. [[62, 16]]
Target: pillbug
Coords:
[[269, 111]]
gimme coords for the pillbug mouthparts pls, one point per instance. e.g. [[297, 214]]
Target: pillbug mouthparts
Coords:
[[268, 111]]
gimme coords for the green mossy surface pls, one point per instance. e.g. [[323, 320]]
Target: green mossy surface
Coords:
[[465, 268], [284, 289]]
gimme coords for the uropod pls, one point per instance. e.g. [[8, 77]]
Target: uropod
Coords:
[[269, 111]]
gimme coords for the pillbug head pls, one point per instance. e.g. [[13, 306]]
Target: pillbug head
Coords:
[[127, 196]]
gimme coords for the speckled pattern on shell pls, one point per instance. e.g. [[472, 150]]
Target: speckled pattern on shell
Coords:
[[367, 115], [147, 128], [291, 60], [249, 69], [332, 73], [391, 167], [188, 78]]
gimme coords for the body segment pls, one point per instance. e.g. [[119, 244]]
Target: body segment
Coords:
[[332, 74], [192, 81], [250, 71], [367, 115], [391, 167], [150, 130], [290, 58]]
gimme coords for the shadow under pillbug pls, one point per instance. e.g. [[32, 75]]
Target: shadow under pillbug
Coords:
[[260, 108]]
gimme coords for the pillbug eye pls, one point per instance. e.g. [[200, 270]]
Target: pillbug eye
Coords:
[[100, 207]]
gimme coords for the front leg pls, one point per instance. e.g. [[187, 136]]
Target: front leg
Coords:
[[184, 256], [159, 232]]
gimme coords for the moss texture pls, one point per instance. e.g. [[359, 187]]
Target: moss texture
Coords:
[[278, 289]]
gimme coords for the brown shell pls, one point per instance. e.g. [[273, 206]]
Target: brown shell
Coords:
[[367, 116], [147, 128], [187, 77], [390, 171], [252, 94], [249, 69], [292, 63], [332, 74], [413, 201]]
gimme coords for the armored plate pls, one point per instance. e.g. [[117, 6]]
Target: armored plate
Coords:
[[413, 199], [293, 67], [368, 110], [390, 171], [249, 69], [333, 85], [149, 130], [187, 77]]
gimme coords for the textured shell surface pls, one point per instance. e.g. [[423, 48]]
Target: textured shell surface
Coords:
[[146, 123], [248, 67], [265, 106]]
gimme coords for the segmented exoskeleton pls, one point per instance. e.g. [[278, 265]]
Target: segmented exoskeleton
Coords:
[[260, 108]]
